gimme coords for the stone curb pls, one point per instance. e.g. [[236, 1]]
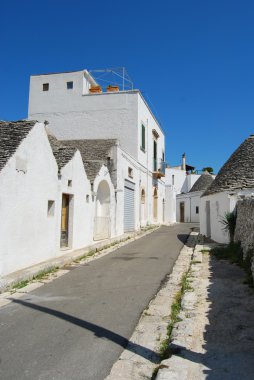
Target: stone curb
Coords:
[[141, 356], [28, 273], [176, 367]]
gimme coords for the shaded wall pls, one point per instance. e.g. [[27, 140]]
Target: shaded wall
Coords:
[[244, 231]]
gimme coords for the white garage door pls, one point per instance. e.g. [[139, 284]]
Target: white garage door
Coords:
[[129, 196]]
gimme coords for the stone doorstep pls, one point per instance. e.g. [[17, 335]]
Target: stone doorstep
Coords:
[[28, 273], [151, 329]]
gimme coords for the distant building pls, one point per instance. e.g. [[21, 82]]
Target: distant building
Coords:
[[235, 179], [188, 204], [178, 180]]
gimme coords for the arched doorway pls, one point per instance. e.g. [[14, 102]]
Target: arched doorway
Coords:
[[155, 204], [143, 207], [102, 223]]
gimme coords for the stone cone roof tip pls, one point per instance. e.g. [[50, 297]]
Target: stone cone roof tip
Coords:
[[94, 153], [237, 172], [62, 153], [203, 182], [12, 133]]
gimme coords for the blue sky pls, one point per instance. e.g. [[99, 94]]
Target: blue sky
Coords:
[[194, 59]]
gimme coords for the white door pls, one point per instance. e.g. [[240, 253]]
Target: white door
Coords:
[[129, 206]]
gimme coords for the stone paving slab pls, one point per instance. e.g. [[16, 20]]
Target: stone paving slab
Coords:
[[215, 338]]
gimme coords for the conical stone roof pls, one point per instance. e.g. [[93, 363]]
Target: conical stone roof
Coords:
[[237, 172], [202, 183]]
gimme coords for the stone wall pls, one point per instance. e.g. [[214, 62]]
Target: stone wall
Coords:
[[244, 231]]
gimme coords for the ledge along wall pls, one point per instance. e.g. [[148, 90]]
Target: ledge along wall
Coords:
[[244, 231]]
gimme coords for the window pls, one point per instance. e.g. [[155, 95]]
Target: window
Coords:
[[45, 86], [197, 210], [163, 156], [154, 155], [69, 183], [69, 85], [173, 179], [51, 208], [130, 172], [143, 137], [87, 198]]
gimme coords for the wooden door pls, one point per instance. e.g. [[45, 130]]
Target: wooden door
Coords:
[[181, 212], [65, 220]]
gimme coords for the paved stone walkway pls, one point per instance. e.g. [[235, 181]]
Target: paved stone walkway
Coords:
[[215, 338]]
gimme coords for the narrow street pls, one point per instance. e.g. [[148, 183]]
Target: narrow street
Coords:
[[77, 326]]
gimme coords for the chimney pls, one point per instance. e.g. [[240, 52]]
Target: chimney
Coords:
[[184, 162]]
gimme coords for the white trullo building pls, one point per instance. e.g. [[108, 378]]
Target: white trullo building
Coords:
[[76, 108], [46, 202], [235, 179]]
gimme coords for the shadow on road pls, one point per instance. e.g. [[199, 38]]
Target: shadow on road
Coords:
[[99, 331], [183, 238]]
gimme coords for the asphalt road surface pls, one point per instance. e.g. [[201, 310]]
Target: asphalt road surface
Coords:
[[77, 326]]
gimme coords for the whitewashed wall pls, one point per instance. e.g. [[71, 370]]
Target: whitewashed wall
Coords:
[[103, 175], [220, 203], [81, 207], [74, 115], [178, 182], [146, 118], [191, 202], [27, 234]]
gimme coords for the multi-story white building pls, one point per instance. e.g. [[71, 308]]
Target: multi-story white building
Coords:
[[178, 180], [76, 109]]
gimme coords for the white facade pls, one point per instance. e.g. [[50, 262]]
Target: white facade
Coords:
[[28, 234], [213, 208], [177, 181], [189, 203], [31, 192], [77, 114]]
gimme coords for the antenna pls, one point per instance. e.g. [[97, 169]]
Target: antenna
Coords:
[[117, 76]]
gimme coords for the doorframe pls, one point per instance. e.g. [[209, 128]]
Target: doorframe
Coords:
[[182, 208], [70, 220]]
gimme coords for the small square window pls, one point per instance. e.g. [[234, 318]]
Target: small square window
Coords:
[[143, 137], [69, 183], [51, 208], [45, 86], [69, 85], [130, 172]]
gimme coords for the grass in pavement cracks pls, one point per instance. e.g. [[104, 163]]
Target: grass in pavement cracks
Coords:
[[174, 316], [42, 275], [165, 351]]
